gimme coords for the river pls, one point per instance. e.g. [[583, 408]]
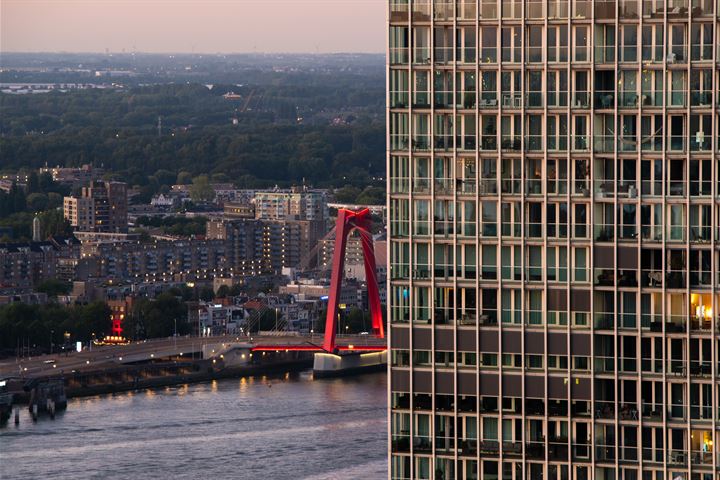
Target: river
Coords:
[[282, 427]]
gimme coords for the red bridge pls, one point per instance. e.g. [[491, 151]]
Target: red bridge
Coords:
[[347, 221]]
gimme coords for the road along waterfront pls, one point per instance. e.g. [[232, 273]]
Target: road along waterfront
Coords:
[[285, 426]]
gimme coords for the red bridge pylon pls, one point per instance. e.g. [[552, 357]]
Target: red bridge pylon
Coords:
[[346, 222]]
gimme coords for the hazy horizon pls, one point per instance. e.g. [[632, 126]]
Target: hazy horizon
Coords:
[[206, 27]]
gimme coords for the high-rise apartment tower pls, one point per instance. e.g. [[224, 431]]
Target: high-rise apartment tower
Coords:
[[554, 239]]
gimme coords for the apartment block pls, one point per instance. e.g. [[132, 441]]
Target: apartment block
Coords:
[[296, 204], [100, 207], [554, 233], [277, 244]]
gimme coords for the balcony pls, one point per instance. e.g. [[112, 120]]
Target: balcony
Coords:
[[557, 143], [604, 410], [511, 100], [605, 54], [581, 99], [701, 52], [399, 55], [701, 98], [558, 9], [488, 100], [604, 143], [604, 232], [678, 54], [534, 100], [422, 443], [420, 143], [604, 99], [675, 279], [534, 143], [511, 143], [629, 99], [511, 9], [535, 449], [581, 9], [701, 142], [700, 278], [652, 98], [401, 442], [605, 10], [557, 99], [399, 12]]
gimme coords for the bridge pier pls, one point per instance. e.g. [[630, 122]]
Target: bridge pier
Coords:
[[331, 365]]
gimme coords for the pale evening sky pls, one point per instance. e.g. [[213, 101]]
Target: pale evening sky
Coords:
[[201, 26]]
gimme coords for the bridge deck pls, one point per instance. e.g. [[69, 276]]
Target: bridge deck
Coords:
[[188, 347]]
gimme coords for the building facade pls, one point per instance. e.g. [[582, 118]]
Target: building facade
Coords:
[[295, 204], [554, 281], [275, 244], [100, 207]]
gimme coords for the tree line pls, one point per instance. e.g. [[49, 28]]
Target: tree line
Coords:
[[40, 196], [204, 133]]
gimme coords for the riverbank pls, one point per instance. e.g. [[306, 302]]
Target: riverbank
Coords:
[[162, 374]]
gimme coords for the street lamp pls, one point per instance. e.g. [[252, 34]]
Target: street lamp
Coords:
[[175, 335], [276, 319]]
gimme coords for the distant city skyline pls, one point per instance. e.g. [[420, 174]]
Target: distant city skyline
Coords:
[[187, 26]]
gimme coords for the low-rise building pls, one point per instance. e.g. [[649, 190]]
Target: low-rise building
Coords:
[[219, 319], [27, 264], [74, 176]]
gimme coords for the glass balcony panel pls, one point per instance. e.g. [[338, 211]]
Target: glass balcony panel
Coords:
[[511, 9], [678, 54], [581, 99], [604, 232], [701, 52], [629, 99], [676, 143], [557, 9], [605, 54], [557, 143], [652, 98], [604, 143], [581, 9], [421, 11], [605, 10], [701, 98], [399, 55], [629, 9], [488, 9], [557, 99], [604, 99], [534, 99], [444, 11], [421, 55], [488, 100], [701, 142]]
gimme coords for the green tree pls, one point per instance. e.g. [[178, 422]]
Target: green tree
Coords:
[[160, 315], [347, 194], [201, 190], [206, 294], [55, 200], [52, 222], [54, 287], [371, 196], [37, 202], [33, 185], [165, 177], [223, 291], [184, 178]]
